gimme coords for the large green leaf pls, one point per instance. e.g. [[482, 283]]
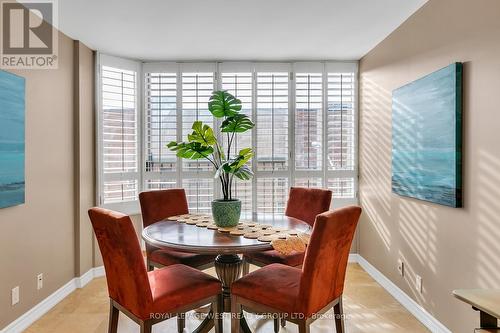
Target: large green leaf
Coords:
[[190, 150], [244, 173], [238, 123], [243, 157], [202, 134], [223, 104], [236, 164]]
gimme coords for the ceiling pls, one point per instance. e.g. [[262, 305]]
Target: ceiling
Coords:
[[234, 29]]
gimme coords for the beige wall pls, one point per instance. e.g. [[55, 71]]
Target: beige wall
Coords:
[[450, 248], [84, 155], [39, 236]]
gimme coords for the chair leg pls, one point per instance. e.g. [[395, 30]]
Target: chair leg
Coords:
[[338, 311], [235, 315], [149, 265], [181, 322], [276, 325], [283, 322], [217, 313], [113, 318], [245, 268], [304, 327], [146, 326]]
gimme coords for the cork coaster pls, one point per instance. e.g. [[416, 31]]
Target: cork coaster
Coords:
[[292, 232], [250, 224], [252, 235], [191, 221], [267, 238], [281, 235], [263, 226], [212, 226], [267, 232], [237, 232], [282, 246], [296, 244], [226, 229], [202, 224]]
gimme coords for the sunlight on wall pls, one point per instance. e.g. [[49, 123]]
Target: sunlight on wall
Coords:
[[488, 220], [375, 145]]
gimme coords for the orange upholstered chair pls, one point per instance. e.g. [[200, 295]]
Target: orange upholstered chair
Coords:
[[303, 204], [300, 295], [147, 297], [156, 206]]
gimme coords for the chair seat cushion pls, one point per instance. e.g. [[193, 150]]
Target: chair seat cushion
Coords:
[[274, 257], [275, 286], [176, 286], [171, 257]]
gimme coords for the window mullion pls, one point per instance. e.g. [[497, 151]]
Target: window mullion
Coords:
[[325, 127], [292, 88], [217, 193], [179, 113], [254, 143]]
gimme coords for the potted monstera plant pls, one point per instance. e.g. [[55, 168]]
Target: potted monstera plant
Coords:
[[203, 143]]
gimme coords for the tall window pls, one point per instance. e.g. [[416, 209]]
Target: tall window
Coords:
[[118, 132], [240, 84], [305, 132], [160, 122], [341, 129]]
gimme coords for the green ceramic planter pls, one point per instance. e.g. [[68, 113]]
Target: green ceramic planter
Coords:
[[226, 213]]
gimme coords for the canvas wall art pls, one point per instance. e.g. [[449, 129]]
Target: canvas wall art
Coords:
[[12, 112], [427, 138]]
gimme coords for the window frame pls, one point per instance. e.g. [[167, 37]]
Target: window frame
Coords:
[[128, 207], [292, 68]]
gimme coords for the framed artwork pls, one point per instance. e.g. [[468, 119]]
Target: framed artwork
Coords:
[[427, 138], [12, 113]]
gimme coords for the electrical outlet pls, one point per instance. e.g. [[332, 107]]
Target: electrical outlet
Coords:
[[401, 267], [39, 281], [418, 283], [15, 295]]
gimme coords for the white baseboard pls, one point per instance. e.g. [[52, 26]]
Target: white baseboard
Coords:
[[413, 307], [28, 318]]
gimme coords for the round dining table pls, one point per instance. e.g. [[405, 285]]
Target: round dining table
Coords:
[[184, 237]]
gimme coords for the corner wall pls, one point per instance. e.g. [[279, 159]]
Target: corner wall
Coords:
[[45, 235], [450, 248]]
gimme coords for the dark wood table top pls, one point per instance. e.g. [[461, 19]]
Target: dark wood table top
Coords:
[[190, 238]]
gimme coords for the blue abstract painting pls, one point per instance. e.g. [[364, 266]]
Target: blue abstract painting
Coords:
[[12, 90], [427, 138]]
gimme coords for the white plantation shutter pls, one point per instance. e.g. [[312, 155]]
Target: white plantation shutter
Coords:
[[118, 132], [272, 118], [308, 121], [305, 135], [273, 131], [160, 108], [341, 136], [197, 87], [240, 84]]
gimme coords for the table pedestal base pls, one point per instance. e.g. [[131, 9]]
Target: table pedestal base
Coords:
[[228, 268]]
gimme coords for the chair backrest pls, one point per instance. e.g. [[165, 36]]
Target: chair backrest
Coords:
[[305, 203], [158, 205], [126, 274], [325, 262]]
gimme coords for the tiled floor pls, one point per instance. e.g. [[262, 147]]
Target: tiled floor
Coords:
[[368, 308]]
